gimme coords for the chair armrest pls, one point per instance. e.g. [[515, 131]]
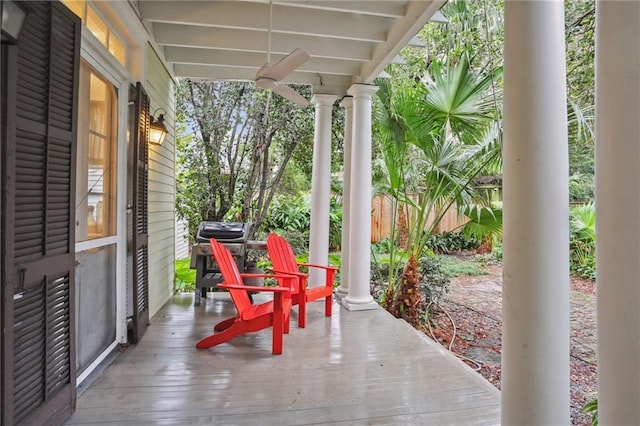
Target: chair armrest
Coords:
[[285, 275], [294, 273], [254, 288], [311, 265]]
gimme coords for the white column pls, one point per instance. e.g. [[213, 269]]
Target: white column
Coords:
[[347, 104], [320, 188], [359, 297], [535, 335], [618, 210]]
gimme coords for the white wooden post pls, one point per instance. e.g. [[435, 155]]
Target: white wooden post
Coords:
[[618, 210], [359, 297], [343, 289], [535, 350], [320, 188]]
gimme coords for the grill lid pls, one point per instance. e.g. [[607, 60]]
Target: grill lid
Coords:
[[223, 231]]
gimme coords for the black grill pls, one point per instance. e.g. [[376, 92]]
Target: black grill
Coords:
[[232, 235]]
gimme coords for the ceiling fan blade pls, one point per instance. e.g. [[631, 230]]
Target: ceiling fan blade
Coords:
[[266, 83], [290, 94], [284, 66]]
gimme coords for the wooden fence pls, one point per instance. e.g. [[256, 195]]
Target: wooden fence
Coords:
[[382, 217]]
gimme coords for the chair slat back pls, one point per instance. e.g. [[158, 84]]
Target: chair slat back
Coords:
[[290, 256], [281, 254], [230, 275]]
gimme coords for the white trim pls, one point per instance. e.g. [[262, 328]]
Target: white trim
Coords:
[[125, 19], [96, 243], [87, 371], [121, 216], [121, 17], [96, 55], [105, 64]]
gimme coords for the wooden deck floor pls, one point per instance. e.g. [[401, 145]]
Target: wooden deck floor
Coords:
[[353, 368]]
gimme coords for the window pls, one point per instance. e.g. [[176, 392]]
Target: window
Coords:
[[99, 28], [96, 165], [117, 48]]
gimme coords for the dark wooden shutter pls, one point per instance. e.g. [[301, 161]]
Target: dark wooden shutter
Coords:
[[38, 363], [140, 198]]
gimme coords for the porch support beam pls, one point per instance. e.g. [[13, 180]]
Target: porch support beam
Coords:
[[320, 187], [618, 210], [359, 297], [535, 350], [347, 104]]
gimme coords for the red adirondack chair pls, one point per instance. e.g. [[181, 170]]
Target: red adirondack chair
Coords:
[[284, 261], [250, 317]]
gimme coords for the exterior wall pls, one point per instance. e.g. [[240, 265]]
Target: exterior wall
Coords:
[[161, 89], [182, 239]]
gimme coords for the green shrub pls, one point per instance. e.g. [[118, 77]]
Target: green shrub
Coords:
[[493, 258], [451, 242], [582, 243], [384, 245], [185, 279], [434, 280], [592, 407], [291, 218], [497, 252], [485, 224]]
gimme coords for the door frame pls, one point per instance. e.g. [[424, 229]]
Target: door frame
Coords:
[[92, 52]]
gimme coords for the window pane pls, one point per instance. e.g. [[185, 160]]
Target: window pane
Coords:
[[99, 105], [97, 26], [76, 6], [117, 49], [96, 173]]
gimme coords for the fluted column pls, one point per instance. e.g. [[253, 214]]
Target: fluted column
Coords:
[[359, 293], [618, 210], [535, 336], [347, 104], [320, 188]]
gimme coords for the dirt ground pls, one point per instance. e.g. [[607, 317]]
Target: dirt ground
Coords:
[[474, 305]]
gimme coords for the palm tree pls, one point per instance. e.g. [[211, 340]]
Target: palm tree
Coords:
[[441, 129]]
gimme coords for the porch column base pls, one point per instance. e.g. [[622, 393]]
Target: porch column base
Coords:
[[359, 304], [341, 292]]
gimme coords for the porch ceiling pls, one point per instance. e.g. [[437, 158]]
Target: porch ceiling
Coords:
[[348, 41]]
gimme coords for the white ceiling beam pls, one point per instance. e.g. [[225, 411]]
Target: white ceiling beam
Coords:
[[251, 41], [254, 61], [321, 83], [439, 18], [255, 17], [387, 9], [416, 42], [418, 14]]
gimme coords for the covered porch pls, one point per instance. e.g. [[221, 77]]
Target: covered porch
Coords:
[[364, 367]]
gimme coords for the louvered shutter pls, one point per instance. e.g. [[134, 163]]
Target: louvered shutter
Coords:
[[140, 215], [39, 196]]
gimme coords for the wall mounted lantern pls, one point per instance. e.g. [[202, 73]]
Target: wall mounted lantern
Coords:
[[13, 17], [158, 130]]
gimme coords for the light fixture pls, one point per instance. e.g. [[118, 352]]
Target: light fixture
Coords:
[[158, 130], [13, 16]]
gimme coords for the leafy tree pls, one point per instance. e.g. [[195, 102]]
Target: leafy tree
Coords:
[[476, 29], [240, 143], [580, 35]]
